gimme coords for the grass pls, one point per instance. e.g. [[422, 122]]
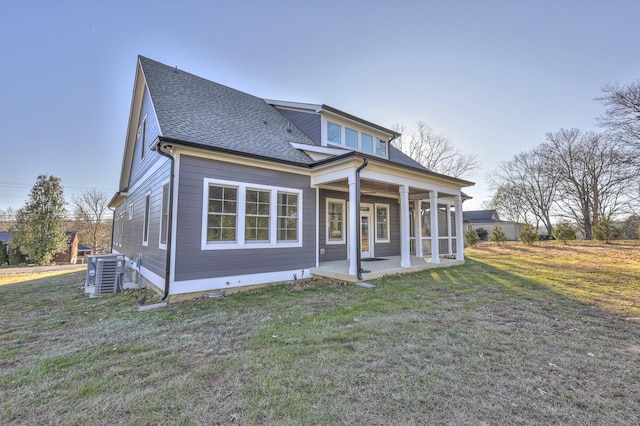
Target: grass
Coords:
[[518, 335]]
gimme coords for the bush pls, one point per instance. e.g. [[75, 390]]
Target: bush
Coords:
[[3, 254], [498, 235], [606, 231], [529, 234], [471, 237], [564, 232], [482, 233]]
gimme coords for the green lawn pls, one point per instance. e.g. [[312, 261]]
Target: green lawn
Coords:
[[540, 335]]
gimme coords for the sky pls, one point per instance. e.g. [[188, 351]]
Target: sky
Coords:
[[494, 76]]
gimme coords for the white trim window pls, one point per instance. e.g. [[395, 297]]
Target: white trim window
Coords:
[[147, 217], [238, 215], [164, 216], [334, 133], [335, 221], [382, 223], [141, 138]]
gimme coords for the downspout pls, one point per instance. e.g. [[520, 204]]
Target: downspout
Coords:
[[358, 225], [167, 265], [113, 227]]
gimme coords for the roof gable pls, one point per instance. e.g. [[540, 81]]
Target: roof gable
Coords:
[[192, 109], [481, 216]]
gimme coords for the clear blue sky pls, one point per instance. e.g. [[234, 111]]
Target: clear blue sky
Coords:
[[493, 75]]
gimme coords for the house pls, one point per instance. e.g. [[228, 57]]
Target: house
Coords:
[[69, 255], [488, 219], [220, 189], [5, 239]]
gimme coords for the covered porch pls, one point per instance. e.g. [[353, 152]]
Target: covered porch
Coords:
[[424, 211], [378, 268]]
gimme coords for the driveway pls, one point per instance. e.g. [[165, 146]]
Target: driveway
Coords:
[[39, 269]]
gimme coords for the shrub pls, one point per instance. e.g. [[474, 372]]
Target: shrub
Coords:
[[3, 254], [564, 232], [482, 233], [498, 235], [529, 234], [471, 237], [606, 231]]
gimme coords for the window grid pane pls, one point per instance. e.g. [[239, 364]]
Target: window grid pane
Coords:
[[335, 214], [381, 223], [222, 213], [334, 133], [351, 138], [287, 217], [366, 143], [381, 148], [257, 215]]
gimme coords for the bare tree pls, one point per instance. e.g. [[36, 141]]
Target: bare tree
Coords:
[[507, 201], [92, 218], [7, 218], [435, 151], [526, 185], [594, 175], [622, 115]]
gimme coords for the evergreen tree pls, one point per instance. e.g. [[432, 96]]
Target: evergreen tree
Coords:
[[498, 235], [606, 231], [471, 237], [529, 234], [39, 229], [15, 257], [564, 232]]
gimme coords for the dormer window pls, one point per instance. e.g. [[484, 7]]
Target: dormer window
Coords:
[[334, 133], [356, 140]]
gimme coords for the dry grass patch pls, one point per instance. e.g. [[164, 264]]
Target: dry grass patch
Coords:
[[505, 339]]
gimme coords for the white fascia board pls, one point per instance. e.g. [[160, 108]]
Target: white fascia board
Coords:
[[320, 149], [295, 105]]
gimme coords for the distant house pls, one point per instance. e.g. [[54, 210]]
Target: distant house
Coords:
[[222, 189], [6, 238], [70, 255], [488, 219]]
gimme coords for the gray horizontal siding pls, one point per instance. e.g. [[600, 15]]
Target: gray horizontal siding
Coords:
[[309, 123], [193, 263], [139, 166], [153, 258]]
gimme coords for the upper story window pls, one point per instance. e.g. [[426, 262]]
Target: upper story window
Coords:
[[356, 140], [334, 133]]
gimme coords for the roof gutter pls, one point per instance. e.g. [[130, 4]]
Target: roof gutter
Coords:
[[167, 264], [358, 225]]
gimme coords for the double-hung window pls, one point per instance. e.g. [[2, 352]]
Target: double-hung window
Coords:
[[240, 215], [164, 216], [382, 223], [335, 221], [147, 214]]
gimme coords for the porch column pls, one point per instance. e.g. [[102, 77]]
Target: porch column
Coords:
[[405, 252], [353, 223], [459, 229], [449, 247], [435, 243], [417, 224]]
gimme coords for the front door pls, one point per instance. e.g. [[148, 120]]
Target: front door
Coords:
[[365, 231]]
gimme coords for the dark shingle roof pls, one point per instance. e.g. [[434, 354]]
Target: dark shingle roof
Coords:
[[192, 109], [398, 156], [6, 237], [480, 216]]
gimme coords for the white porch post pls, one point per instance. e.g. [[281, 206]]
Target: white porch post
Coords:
[[459, 229], [449, 246], [405, 239], [435, 243], [353, 223], [417, 224]]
